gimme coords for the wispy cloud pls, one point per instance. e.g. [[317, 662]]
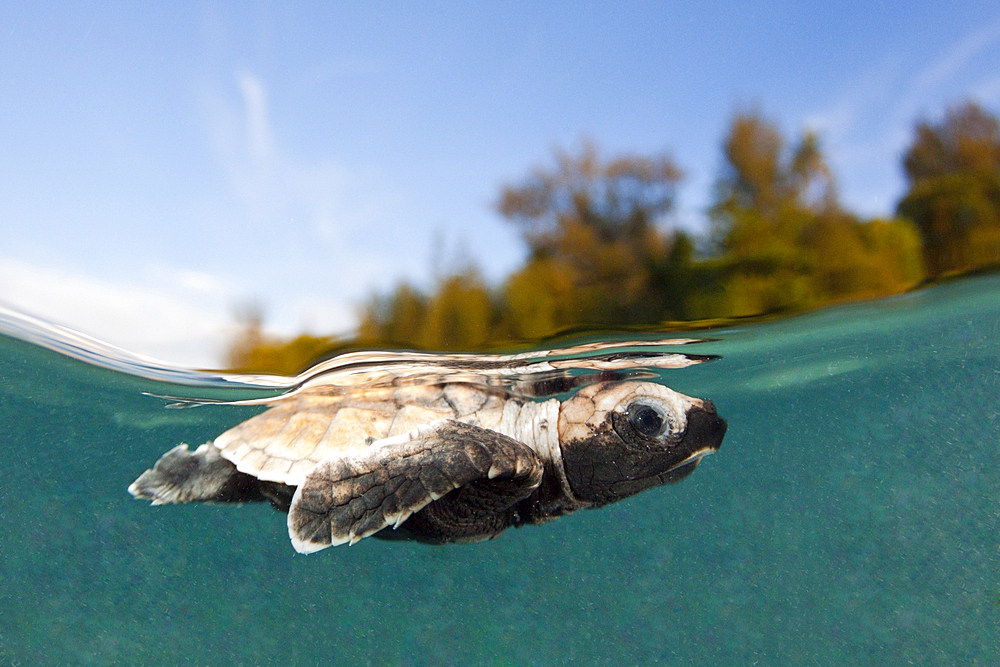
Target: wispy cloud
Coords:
[[171, 321], [868, 126], [315, 220], [292, 243], [871, 88], [260, 143], [949, 63], [272, 183]]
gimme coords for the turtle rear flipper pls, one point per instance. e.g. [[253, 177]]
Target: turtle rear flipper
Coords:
[[183, 476], [462, 479]]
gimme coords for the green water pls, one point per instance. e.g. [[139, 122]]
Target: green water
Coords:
[[851, 517]]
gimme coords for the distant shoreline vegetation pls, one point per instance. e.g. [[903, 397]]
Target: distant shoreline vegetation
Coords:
[[779, 243]]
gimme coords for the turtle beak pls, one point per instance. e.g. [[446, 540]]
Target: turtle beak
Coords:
[[705, 430]]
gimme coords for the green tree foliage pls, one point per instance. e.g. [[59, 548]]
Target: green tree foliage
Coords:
[[784, 242], [618, 200], [954, 192], [459, 315], [393, 319], [599, 256], [253, 351]]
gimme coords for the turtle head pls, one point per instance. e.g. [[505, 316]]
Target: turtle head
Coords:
[[619, 438]]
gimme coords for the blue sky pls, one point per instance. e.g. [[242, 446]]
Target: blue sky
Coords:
[[162, 164]]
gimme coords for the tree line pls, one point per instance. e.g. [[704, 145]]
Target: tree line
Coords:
[[779, 241]]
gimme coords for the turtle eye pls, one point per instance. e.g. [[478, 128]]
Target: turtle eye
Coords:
[[647, 420]]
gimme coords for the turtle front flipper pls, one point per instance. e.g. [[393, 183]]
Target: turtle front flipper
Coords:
[[462, 480]]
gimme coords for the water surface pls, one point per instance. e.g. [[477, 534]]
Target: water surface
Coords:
[[851, 517]]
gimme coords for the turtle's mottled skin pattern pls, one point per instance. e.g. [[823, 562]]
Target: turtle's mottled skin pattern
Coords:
[[286, 442], [440, 462]]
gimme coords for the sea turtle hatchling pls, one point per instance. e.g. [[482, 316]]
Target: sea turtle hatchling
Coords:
[[450, 448]]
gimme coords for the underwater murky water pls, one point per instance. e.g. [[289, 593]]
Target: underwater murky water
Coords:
[[851, 517]]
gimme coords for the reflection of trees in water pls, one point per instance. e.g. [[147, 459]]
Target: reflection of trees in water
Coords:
[[602, 253]]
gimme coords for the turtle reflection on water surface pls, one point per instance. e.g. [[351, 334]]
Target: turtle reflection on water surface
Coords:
[[450, 448]]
